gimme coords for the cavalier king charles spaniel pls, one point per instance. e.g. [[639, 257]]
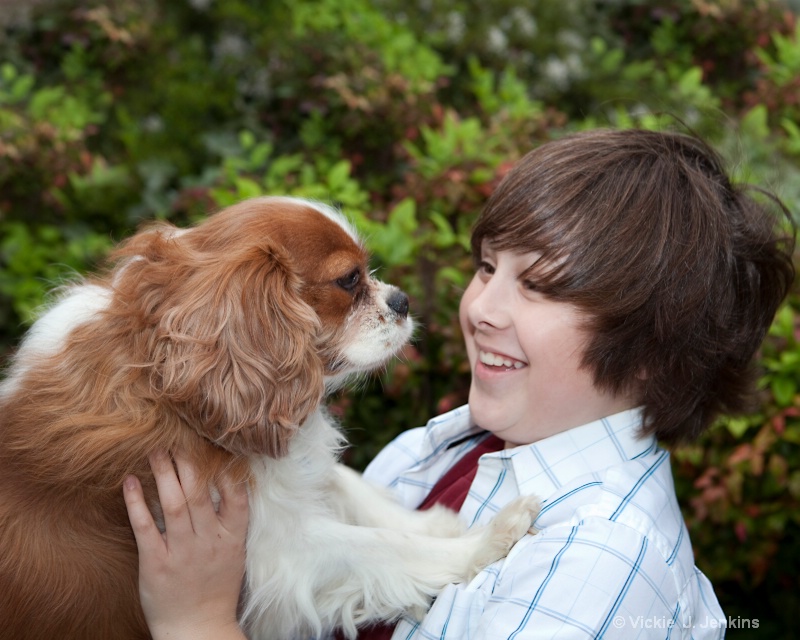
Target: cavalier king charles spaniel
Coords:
[[219, 341]]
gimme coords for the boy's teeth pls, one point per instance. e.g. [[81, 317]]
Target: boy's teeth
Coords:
[[494, 360]]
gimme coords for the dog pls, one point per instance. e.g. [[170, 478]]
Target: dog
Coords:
[[219, 341]]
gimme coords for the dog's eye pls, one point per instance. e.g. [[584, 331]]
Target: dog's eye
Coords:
[[349, 282]]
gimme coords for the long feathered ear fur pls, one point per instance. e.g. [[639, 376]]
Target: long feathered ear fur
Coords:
[[233, 343]]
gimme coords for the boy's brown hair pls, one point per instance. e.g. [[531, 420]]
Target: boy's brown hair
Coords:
[[679, 271]]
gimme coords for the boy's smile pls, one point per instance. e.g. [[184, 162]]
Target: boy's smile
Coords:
[[525, 352], [495, 360]]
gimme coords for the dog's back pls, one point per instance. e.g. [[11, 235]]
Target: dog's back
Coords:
[[68, 563], [67, 567], [80, 409]]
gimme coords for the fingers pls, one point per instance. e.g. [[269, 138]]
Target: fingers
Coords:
[[194, 570], [197, 498], [188, 507], [233, 508], [177, 518], [148, 537]]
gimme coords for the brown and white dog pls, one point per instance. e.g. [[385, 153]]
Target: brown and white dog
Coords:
[[220, 341]]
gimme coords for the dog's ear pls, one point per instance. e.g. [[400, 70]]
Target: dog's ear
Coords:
[[269, 378], [236, 348]]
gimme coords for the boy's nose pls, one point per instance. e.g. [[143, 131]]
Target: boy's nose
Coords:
[[485, 308]]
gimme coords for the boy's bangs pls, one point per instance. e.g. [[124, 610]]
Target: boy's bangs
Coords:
[[573, 246]]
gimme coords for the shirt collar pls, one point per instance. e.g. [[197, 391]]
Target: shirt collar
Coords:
[[545, 466], [447, 430]]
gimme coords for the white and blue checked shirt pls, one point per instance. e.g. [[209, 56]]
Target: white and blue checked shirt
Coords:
[[612, 558]]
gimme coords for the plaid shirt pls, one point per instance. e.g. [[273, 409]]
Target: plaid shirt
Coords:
[[612, 558]]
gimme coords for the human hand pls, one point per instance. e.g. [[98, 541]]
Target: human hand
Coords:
[[190, 576]]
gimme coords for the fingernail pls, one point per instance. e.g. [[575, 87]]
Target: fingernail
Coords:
[[130, 483]]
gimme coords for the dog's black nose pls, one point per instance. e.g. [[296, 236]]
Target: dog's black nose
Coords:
[[398, 302]]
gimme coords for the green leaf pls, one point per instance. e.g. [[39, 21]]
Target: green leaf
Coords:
[[784, 390], [339, 175], [247, 188], [755, 122], [737, 426], [444, 235], [403, 218], [454, 276], [783, 325]]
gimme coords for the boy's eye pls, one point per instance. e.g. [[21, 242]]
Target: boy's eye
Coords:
[[530, 285], [485, 267]]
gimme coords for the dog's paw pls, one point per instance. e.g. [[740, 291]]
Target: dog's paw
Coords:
[[505, 530], [516, 518]]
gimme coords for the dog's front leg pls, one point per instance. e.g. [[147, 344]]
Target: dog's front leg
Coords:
[[382, 573], [364, 504]]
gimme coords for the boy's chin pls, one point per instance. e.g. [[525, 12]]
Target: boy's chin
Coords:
[[490, 416]]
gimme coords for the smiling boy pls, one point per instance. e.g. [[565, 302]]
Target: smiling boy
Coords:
[[622, 288]]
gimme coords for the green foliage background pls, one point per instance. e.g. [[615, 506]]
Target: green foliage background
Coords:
[[406, 113]]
